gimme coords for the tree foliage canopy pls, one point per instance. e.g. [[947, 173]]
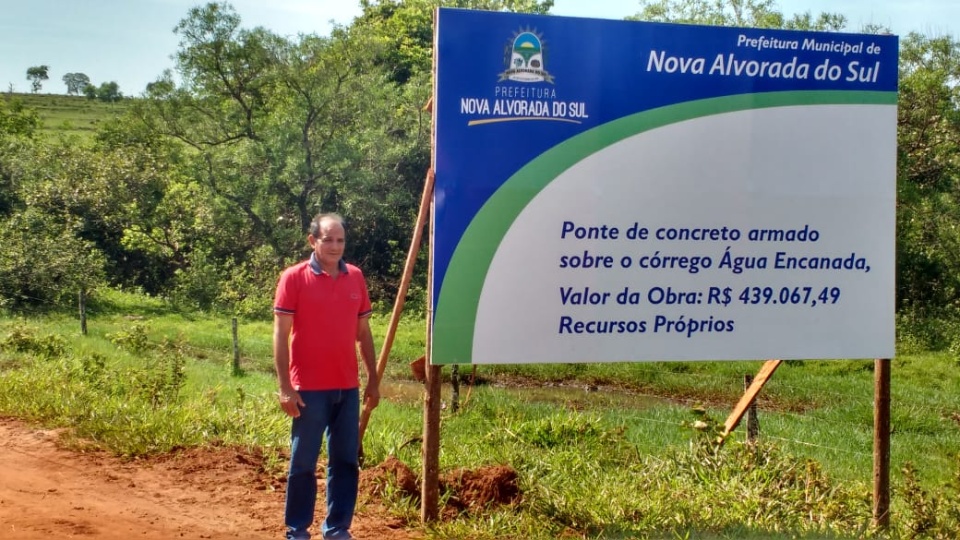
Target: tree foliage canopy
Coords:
[[16, 119], [36, 75], [76, 83], [752, 13], [108, 92], [405, 27], [205, 190], [928, 177]]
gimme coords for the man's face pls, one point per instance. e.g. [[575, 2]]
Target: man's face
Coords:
[[330, 243]]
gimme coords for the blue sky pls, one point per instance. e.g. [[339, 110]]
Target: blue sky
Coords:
[[131, 41]]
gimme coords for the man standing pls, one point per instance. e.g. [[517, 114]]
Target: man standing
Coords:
[[321, 319]]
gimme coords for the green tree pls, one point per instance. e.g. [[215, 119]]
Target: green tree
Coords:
[[42, 264], [140, 206], [36, 75], [928, 176], [109, 92], [163, 85], [75, 82], [751, 13], [16, 119], [221, 112], [46, 260], [18, 124], [280, 130], [406, 27], [119, 194]]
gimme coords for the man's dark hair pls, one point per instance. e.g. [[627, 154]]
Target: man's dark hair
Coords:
[[315, 224]]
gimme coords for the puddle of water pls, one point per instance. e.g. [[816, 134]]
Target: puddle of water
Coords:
[[404, 392]]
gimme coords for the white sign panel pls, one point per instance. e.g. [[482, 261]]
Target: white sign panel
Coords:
[[705, 196]]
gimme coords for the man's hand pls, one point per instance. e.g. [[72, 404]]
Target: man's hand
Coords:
[[371, 396], [290, 402]]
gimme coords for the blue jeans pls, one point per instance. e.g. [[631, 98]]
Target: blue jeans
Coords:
[[334, 414]]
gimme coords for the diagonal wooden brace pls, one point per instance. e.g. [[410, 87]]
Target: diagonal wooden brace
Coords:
[[750, 396]]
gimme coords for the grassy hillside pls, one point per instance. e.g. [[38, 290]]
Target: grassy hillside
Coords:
[[69, 115]]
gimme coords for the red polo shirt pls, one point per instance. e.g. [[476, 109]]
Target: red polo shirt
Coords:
[[325, 311]]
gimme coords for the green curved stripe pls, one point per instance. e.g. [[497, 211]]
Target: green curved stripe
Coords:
[[456, 308]]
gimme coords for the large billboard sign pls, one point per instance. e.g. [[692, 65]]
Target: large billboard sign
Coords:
[[625, 191]]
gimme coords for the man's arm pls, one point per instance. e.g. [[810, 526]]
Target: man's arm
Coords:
[[371, 395], [290, 400]]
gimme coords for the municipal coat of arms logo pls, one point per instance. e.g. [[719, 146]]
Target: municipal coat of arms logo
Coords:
[[525, 59]]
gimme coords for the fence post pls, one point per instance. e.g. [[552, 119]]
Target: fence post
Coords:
[[455, 384], [82, 301], [769, 367], [753, 423], [236, 348], [881, 444]]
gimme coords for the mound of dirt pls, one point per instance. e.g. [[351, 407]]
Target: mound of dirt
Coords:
[[468, 490], [483, 488], [391, 471]]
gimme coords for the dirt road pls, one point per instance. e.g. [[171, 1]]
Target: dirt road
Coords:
[[47, 492]]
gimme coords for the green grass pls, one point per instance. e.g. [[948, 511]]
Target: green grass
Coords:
[[65, 116], [601, 450]]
